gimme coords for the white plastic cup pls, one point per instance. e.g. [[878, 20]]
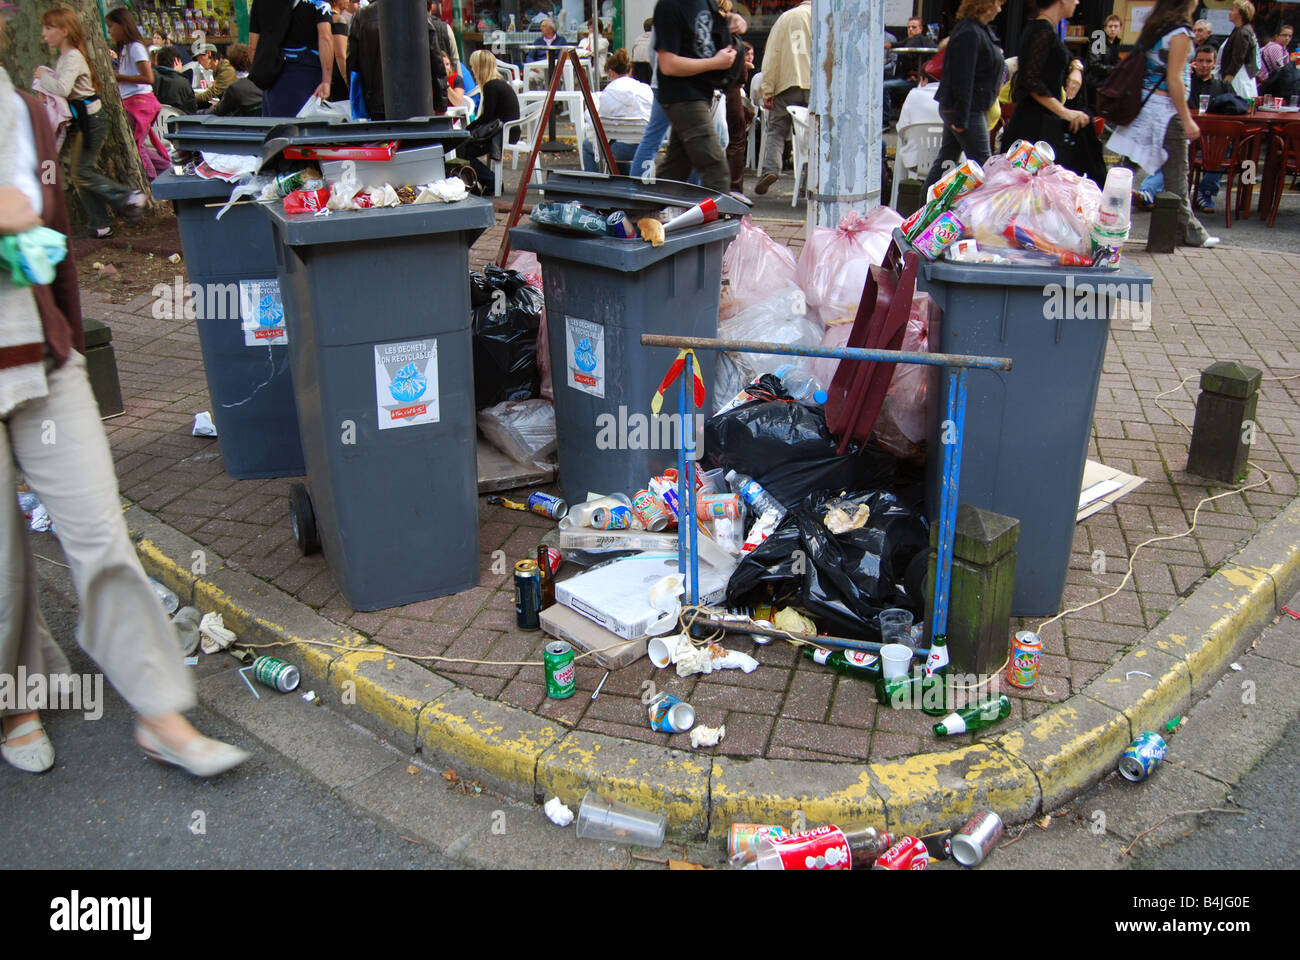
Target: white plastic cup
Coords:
[[660, 651], [896, 660]]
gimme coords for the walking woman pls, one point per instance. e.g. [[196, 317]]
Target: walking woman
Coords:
[[1241, 51], [1158, 138], [972, 75], [43, 388], [71, 79], [135, 84]]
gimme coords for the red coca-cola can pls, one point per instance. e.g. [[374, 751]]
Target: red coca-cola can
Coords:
[[825, 848], [909, 853]]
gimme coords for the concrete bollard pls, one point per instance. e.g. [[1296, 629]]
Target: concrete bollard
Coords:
[[1162, 237], [983, 573], [1225, 421], [101, 368]]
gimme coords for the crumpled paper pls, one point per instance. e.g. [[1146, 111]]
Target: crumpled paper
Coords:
[[692, 659], [214, 635], [203, 425], [385, 196], [443, 191], [792, 621], [558, 813], [702, 736]]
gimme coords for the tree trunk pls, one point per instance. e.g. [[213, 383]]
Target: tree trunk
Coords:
[[118, 158]]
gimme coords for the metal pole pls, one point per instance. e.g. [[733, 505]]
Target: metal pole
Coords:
[[847, 105], [835, 353], [404, 47], [948, 499]]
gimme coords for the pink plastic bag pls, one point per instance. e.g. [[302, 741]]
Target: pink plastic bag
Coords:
[[837, 335], [1052, 210], [526, 262], [754, 268], [901, 428], [833, 267]]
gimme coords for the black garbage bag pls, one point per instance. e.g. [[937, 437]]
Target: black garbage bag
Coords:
[[841, 580], [787, 448], [507, 313]]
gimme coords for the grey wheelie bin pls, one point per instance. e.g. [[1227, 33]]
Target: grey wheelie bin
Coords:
[[383, 371], [602, 293], [1027, 430], [236, 302]]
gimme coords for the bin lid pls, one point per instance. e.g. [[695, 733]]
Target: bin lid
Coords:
[[243, 136], [169, 186], [417, 130], [626, 256], [472, 215], [603, 191], [1004, 275]]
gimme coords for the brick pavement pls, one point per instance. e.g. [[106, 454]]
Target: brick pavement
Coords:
[[1208, 305]]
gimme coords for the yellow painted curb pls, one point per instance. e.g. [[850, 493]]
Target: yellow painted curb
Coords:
[[783, 791]]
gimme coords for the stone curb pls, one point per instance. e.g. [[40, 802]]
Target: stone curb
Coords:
[[1017, 773]]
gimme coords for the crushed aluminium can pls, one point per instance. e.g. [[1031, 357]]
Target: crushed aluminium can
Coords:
[[611, 518], [939, 235], [971, 175], [618, 225], [548, 506], [909, 853], [668, 714], [1141, 756], [825, 848], [560, 676], [651, 513], [275, 673], [742, 839], [1026, 651], [528, 595]]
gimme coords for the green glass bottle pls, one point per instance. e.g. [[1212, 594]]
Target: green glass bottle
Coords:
[[914, 691], [973, 719], [855, 662]]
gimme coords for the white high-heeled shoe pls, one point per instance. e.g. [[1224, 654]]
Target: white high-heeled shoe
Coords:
[[34, 757], [202, 756]]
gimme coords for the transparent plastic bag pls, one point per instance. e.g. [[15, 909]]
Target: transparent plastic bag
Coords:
[[901, 427], [1051, 211], [754, 268], [523, 430], [326, 109], [836, 336], [781, 318], [832, 270]]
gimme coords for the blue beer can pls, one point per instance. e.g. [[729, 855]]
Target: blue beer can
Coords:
[[1141, 756]]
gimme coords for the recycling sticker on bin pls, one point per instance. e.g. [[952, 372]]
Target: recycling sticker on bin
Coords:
[[585, 356], [261, 313], [406, 383]]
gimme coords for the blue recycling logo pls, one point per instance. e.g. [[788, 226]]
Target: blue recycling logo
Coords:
[[408, 385], [584, 355], [270, 312]]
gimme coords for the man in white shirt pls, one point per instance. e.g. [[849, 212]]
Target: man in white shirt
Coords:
[[624, 99], [919, 107]]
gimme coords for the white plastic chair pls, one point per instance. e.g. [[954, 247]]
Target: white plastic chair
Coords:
[[928, 138], [801, 123], [160, 127], [527, 125], [512, 75], [759, 141]]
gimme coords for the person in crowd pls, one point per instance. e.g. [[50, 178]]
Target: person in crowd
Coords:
[[446, 36], [920, 107], [72, 79], [43, 382], [602, 48], [548, 39], [159, 40], [1276, 53], [499, 107], [787, 77], [243, 98], [365, 67], [1204, 83], [1103, 57], [1241, 49], [134, 76], [293, 53], [739, 118], [455, 83], [1202, 32], [694, 50], [625, 98], [170, 85], [972, 77], [1158, 138], [339, 39], [223, 74], [909, 65], [1039, 92], [642, 52]]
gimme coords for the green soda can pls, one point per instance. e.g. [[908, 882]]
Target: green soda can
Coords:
[[276, 673], [559, 670]]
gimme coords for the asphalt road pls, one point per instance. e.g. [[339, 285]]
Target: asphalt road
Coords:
[[104, 805]]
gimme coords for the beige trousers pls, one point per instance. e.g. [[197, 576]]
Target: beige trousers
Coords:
[[59, 445]]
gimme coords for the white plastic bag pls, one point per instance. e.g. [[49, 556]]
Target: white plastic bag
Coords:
[[834, 264], [754, 268], [524, 430], [317, 108], [782, 318]]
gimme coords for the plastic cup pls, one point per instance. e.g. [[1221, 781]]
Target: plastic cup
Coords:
[[660, 651], [896, 660], [713, 481], [1205, 102], [600, 818], [896, 626]]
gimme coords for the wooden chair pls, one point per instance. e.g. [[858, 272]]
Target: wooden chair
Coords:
[[1225, 146], [1286, 140]]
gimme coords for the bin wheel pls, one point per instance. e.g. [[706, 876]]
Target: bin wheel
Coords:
[[302, 518]]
